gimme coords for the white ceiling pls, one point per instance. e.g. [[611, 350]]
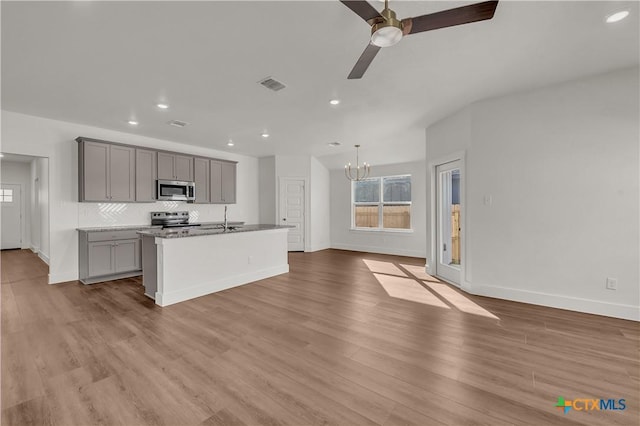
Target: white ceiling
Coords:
[[102, 63]]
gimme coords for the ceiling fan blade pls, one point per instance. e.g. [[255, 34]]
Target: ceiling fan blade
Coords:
[[364, 61], [452, 17], [362, 8]]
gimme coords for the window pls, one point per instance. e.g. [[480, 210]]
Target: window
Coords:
[[382, 203], [6, 195]]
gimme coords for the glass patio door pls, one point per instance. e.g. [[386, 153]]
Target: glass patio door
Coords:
[[449, 221]]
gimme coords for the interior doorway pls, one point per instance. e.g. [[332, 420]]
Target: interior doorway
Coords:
[[449, 221], [11, 211], [291, 209]]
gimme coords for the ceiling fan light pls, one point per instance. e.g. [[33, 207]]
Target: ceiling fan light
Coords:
[[386, 36]]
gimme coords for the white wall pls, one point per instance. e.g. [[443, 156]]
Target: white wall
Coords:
[[34, 221], [316, 175], [28, 135], [17, 172], [561, 166], [39, 207], [387, 242], [42, 173], [320, 206]]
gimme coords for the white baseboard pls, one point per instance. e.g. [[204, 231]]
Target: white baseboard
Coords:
[[380, 250], [34, 249], [166, 299], [44, 257], [319, 247], [589, 306]]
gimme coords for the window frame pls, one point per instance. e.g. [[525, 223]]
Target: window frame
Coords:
[[380, 204]]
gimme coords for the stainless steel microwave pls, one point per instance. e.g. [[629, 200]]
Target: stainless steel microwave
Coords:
[[176, 190]]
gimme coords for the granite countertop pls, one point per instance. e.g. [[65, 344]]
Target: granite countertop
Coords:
[[119, 228], [208, 230], [138, 227]]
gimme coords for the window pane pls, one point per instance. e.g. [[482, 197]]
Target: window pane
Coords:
[[1, 192], [367, 191], [396, 216], [8, 198], [8, 192], [397, 188], [366, 216]]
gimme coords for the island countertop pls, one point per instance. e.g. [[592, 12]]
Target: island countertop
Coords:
[[209, 230]]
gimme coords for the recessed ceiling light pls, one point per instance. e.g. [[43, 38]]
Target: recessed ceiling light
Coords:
[[334, 101], [334, 144], [230, 143], [265, 135], [162, 106], [133, 122], [618, 16]]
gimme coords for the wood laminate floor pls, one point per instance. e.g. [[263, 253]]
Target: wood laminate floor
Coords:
[[345, 338]]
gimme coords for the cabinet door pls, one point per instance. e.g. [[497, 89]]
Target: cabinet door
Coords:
[[96, 172], [228, 181], [184, 168], [100, 258], [216, 182], [202, 180], [122, 172], [146, 175], [166, 166], [126, 255]]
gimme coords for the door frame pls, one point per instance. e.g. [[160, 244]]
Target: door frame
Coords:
[[432, 220], [307, 206]]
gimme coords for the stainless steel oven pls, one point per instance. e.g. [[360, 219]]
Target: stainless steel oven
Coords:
[[176, 190]]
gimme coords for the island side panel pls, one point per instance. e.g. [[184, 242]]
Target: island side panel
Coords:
[[149, 266], [195, 266]]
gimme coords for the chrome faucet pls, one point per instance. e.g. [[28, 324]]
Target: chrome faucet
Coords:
[[225, 225]]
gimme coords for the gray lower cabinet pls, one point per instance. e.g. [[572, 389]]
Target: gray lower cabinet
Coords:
[[106, 173], [109, 255], [146, 175], [175, 167], [223, 182]]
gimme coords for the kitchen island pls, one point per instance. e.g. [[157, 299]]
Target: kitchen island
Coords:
[[182, 264]]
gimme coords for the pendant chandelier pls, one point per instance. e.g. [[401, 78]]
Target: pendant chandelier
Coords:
[[359, 172]]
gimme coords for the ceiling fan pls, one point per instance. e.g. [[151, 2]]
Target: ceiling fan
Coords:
[[387, 30]]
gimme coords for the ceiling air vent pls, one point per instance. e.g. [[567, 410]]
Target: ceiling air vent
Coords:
[[272, 84], [177, 123]]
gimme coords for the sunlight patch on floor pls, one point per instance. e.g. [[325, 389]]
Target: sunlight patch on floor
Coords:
[[459, 301], [408, 289], [418, 272], [383, 267]]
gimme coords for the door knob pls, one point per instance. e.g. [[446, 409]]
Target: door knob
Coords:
[[284, 219]]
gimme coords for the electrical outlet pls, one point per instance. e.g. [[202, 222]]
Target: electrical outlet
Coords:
[[612, 283]]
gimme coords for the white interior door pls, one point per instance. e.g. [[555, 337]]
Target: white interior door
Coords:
[[449, 225], [11, 205], [292, 204]]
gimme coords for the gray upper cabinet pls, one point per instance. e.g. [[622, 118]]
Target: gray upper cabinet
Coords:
[[175, 167], [202, 180], [184, 168], [228, 182], [146, 175], [113, 172], [223, 182], [106, 172]]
